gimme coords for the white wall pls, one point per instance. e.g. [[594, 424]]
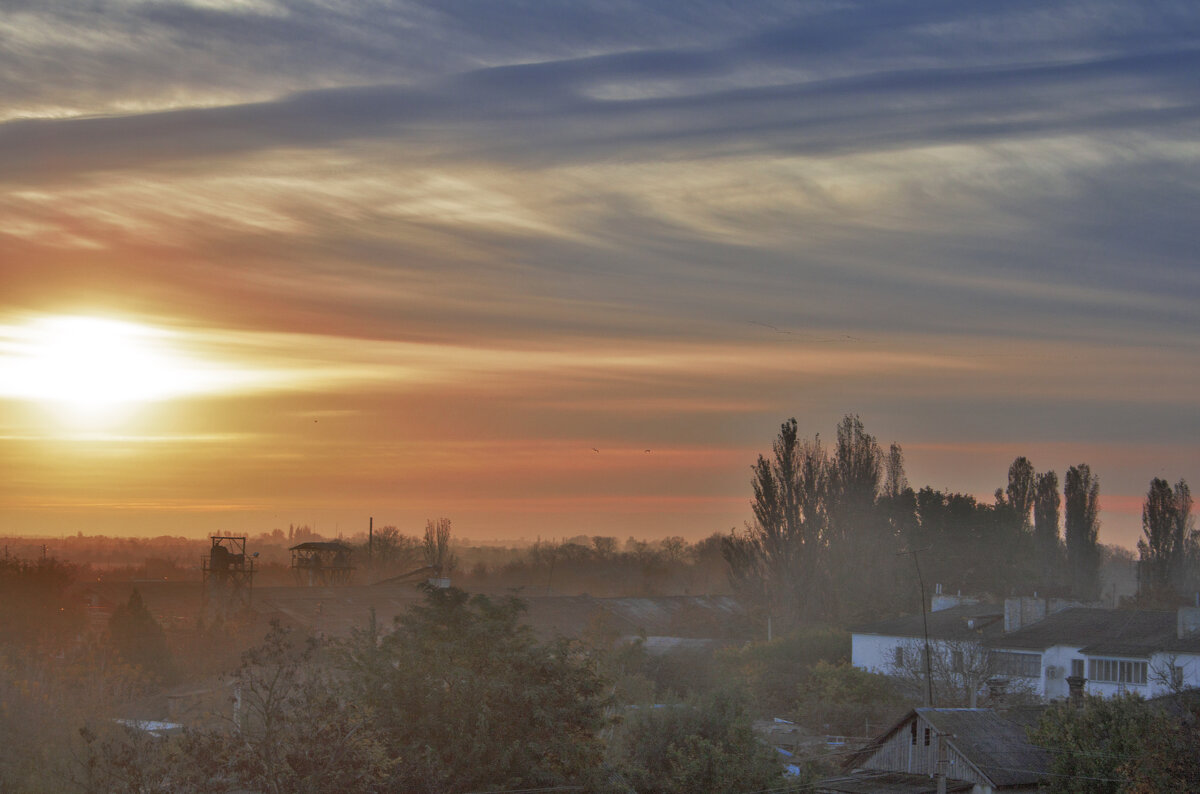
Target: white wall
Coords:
[[874, 652], [877, 654]]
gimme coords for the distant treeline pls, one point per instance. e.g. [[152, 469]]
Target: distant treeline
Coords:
[[839, 535], [597, 565]]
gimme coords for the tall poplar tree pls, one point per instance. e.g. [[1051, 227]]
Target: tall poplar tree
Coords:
[[1081, 496], [1021, 490], [1187, 541], [1168, 546], [779, 557], [1047, 538]]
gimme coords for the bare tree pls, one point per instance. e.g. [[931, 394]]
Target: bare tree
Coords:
[[390, 547], [958, 669], [1170, 672], [437, 546]]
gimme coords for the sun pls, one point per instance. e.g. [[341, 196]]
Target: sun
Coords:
[[89, 365]]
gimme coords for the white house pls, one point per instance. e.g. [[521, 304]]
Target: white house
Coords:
[[1148, 652], [883, 647], [1037, 644]]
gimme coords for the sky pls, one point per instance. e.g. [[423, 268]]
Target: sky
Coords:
[[562, 268]]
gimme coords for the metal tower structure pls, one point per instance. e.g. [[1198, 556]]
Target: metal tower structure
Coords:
[[227, 576]]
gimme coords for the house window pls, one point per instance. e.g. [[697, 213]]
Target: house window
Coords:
[[913, 728], [1177, 677], [956, 661], [898, 656], [1117, 671], [927, 737], [1077, 668], [1012, 664]]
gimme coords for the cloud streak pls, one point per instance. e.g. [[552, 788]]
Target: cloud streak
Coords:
[[671, 226]]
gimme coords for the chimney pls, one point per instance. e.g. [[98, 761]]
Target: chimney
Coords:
[[1075, 687], [1187, 622], [998, 693], [1022, 611]]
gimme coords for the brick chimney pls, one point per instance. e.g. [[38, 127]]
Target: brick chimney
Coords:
[[1187, 622], [1075, 684], [998, 693], [1023, 611]]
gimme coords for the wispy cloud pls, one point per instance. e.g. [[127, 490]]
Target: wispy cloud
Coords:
[[664, 224]]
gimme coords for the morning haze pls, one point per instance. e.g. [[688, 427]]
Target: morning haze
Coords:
[[570, 276]]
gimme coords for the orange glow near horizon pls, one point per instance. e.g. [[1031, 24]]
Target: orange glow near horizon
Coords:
[[160, 428]]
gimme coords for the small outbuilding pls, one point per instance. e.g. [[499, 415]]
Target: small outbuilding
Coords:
[[976, 750]]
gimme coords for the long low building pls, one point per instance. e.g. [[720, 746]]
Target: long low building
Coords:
[[1037, 644]]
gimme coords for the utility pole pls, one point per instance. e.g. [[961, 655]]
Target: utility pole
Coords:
[[943, 761], [925, 626]]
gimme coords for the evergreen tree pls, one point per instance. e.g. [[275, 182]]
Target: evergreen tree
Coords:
[[464, 696], [139, 640]]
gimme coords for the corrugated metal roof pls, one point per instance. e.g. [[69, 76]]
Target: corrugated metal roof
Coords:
[[996, 746], [992, 744], [868, 782]]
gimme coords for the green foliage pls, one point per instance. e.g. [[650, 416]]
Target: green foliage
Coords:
[[467, 699], [1047, 537], [771, 670], [703, 744], [818, 520], [124, 759], [292, 732], [980, 547], [1021, 490], [842, 699], [1117, 745], [1168, 548], [1081, 498]]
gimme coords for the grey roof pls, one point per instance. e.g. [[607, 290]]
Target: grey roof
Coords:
[[965, 622], [1102, 632], [994, 745], [871, 782]]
